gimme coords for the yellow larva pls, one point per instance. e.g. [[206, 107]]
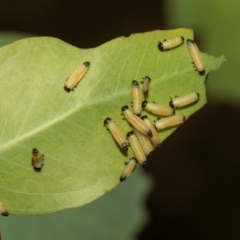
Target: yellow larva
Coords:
[[137, 149], [137, 122], [155, 137], [172, 43], [145, 84], [196, 56], [76, 76], [183, 101], [136, 98], [3, 210], [116, 133], [145, 142], [169, 122], [128, 169], [157, 109], [37, 159]]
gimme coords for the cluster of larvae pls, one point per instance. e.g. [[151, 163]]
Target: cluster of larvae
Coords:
[[144, 137]]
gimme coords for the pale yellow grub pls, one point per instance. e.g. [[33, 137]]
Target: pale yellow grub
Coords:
[[137, 122], [145, 84], [171, 43], [137, 149], [196, 56], [128, 169], [116, 133], [185, 100], [37, 159], [169, 122], [76, 76], [136, 98], [145, 142], [155, 139], [157, 109]]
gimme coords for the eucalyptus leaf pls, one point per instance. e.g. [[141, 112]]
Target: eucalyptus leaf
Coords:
[[82, 161]]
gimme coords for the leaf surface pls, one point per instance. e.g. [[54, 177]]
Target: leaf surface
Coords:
[[82, 161]]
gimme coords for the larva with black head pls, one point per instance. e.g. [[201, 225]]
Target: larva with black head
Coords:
[[145, 142], [196, 56], [137, 149], [37, 160], [168, 122], [145, 84], [137, 122], [128, 169], [157, 109], [76, 77], [171, 43], [136, 98], [116, 133], [185, 100], [155, 139]]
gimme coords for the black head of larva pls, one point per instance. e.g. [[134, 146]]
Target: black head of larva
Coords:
[[144, 103], [125, 107], [198, 94], [106, 121], [125, 146], [147, 78], [5, 214], [182, 38], [135, 83], [34, 150], [160, 46], [122, 178], [184, 118], [87, 64], [36, 169], [129, 134], [67, 89], [171, 104], [149, 133], [144, 117], [202, 72], [190, 41]]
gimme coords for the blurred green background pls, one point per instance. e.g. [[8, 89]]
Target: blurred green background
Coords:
[[196, 191]]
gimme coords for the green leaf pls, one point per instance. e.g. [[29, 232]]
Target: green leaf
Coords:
[[82, 161]]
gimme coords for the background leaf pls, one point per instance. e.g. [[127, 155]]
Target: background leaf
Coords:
[[7, 37], [117, 215], [82, 162], [212, 33]]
